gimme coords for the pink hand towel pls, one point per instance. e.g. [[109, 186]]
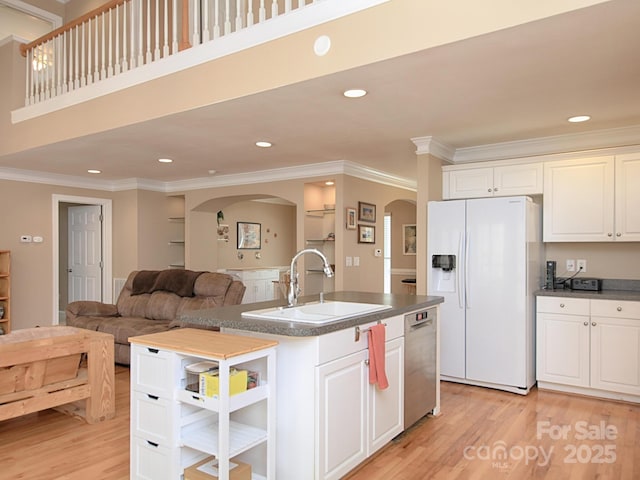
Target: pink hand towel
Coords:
[[377, 356]]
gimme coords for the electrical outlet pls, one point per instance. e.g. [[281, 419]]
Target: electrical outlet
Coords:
[[356, 261], [571, 265], [348, 261], [582, 265]]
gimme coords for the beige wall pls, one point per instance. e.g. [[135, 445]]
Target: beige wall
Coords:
[[619, 260], [368, 277], [402, 213]]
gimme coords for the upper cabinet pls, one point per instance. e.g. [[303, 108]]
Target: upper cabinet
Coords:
[[592, 199], [496, 181]]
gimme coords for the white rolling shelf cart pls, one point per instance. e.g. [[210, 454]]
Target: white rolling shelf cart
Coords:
[[173, 428]]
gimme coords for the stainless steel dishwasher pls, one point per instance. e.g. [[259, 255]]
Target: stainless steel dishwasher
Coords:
[[419, 364]]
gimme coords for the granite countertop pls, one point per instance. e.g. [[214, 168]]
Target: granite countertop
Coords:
[[231, 317]]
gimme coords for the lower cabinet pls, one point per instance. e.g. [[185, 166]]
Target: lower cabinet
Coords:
[[592, 345], [259, 283], [355, 419]]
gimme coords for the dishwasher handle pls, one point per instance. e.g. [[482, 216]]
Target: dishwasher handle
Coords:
[[414, 324]]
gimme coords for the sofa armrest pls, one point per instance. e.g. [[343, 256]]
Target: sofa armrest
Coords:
[[91, 309]]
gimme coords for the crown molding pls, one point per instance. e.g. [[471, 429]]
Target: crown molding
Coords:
[[429, 145], [591, 140], [263, 176]]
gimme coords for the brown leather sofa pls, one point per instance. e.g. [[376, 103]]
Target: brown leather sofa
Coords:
[[152, 301]]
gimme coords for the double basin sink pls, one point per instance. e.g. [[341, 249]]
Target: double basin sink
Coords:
[[316, 313]]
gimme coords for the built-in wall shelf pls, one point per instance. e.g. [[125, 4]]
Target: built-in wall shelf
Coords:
[[318, 213], [176, 242]]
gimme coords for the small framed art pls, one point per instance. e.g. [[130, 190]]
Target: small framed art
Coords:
[[249, 236], [366, 234], [409, 239], [351, 218], [366, 212]]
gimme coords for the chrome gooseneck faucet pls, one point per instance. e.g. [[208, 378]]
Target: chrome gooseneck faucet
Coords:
[[294, 287]]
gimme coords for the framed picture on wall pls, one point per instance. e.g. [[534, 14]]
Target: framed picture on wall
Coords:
[[366, 234], [409, 239], [351, 218], [366, 212], [249, 236]]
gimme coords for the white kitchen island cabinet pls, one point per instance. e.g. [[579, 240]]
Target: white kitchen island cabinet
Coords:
[[330, 418], [174, 427], [589, 346]]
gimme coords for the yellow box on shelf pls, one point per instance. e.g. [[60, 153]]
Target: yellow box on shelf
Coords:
[[210, 383]]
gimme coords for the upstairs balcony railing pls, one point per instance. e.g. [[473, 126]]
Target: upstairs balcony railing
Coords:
[[123, 35]]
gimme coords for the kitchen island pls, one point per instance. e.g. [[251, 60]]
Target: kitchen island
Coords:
[[329, 417]]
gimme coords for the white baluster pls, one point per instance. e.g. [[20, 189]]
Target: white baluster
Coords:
[[196, 33], [274, 9], [148, 51], [206, 35], [238, 15], [76, 62], [65, 62], [156, 50], [91, 26], [227, 18], [174, 22], [125, 53], [262, 15], [250, 13], [96, 50], [109, 43], [27, 79], [165, 36], [287, 6], [58, 62], [216, 19], [83, 71], [117, 63], [140, 34], [103, 49], [301, 3]]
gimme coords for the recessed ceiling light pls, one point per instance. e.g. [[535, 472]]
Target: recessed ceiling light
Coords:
[[212, 172], [263, 144], [322, 45], [165, 160], [579, 118], [328, 183], [94, 171], [355, 93]]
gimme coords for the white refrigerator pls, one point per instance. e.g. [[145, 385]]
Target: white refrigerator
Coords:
[[485, 259]]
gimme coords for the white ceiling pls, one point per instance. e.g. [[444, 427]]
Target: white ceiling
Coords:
[[511, 85]]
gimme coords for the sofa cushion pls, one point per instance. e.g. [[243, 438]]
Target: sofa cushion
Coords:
[[162, 306], [90, 323], [143, 281], [132, 305], [180, 282], [124, 327], [92, 308], [212, 284]]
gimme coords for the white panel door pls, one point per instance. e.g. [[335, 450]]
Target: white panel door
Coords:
[[85, 253], [496, 291], [446, 224]]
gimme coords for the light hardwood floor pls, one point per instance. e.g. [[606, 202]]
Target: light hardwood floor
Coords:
[[458, 444]]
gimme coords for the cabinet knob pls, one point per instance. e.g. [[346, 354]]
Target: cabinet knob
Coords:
[[586, 324], [562, 305], [366, 362], [489, 190], [609, 234], [593, 324], [495, 189], [619, 309], [618, 234]]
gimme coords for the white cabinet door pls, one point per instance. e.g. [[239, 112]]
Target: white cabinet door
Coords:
[[579, 200], [471, 183], [563, 349], [628, 198], [386, 407], [517, 180], [342, 415], [615, 354]]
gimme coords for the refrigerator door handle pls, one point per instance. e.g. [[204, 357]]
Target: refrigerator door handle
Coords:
[[466, 270], [459, 272]]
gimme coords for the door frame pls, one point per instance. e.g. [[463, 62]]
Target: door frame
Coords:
[[106, 239]]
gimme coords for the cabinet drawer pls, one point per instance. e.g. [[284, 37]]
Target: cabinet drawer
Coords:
[[615, 309], [151, 461], [568, 306], [343, 342], [153, 370], [151, 418]]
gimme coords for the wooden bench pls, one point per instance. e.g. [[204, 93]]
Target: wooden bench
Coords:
[[70, 369]]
